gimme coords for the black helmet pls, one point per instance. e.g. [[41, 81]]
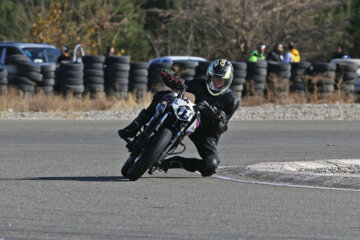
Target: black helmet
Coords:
[[220, 74]]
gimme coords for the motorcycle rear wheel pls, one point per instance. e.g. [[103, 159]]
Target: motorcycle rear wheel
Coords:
[[151, 154]]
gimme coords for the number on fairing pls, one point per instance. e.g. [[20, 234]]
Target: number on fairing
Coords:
[[183, 110]]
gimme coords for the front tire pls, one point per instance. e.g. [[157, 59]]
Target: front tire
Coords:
[[127, 165], [152, 153]]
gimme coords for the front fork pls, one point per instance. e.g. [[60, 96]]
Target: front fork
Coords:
[[141, 140]]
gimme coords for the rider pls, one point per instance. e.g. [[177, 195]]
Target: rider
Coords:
[[215, 90]]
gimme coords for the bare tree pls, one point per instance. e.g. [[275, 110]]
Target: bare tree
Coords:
[[233, 28]]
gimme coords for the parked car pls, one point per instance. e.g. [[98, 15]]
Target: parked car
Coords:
[[28, 65], [37, 53], [173, 59], [188, 67]]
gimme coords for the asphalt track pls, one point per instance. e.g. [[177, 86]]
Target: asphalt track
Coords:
[[61, 180]]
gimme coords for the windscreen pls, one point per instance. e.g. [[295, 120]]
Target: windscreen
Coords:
[[42, 55]]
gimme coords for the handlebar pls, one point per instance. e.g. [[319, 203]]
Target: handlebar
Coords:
[[182, 91]]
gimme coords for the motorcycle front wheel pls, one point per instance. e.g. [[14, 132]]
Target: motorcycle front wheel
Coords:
[[151, 154], [127, 165]]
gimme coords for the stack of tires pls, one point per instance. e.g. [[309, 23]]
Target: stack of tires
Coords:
[[278, 78], [357, 80], [349, 76], [346, 70], [156, 82], [186, 69], [298, 80], [238, 82], [29, 76], [323, 78], [3, 80], [48, 82], [117, 75], [70, 78], [256, 78], [139, 79], [94, 74], [15, 59], [12, 70], [200, 70]]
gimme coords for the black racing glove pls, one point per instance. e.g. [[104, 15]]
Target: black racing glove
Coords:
[[171, 79], [221, 116]]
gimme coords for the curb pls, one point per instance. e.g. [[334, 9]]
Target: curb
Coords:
[[332, 167], [338, 173]]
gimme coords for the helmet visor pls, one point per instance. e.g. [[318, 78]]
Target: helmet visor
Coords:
[[216, 83]]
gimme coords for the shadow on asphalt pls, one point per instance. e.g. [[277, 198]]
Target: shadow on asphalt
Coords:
[[157, 177], [87, 178], [73, 178]]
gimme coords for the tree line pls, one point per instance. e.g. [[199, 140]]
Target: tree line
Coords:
[[144, 29]]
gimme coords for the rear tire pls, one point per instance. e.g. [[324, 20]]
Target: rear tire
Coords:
[[152, 153]]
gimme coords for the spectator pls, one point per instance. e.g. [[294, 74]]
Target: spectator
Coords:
[[258, 54], [276, 55], [339, 53], [64, 55], [110, 50], [293, 55]]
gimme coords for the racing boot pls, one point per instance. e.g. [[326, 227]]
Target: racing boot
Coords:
[[178, 162], [206, 167], [133, 128]]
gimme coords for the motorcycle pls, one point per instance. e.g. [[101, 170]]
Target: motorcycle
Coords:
[[174, 119]]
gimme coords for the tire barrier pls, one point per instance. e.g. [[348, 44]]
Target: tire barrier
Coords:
[[238, 82], [117, 75], [357, 80], [48, 82], [15, 59], [346, 75], [323, 78], [256, 78], [186, 69], [138, 81], [278, 78], [70, 78], [94, 74], [348, 78], [201, 68], [11, 66], [298, 79], [155, 82], [3, 80], [28, 77]]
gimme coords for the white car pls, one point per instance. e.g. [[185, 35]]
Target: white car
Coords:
[[174, 59]]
